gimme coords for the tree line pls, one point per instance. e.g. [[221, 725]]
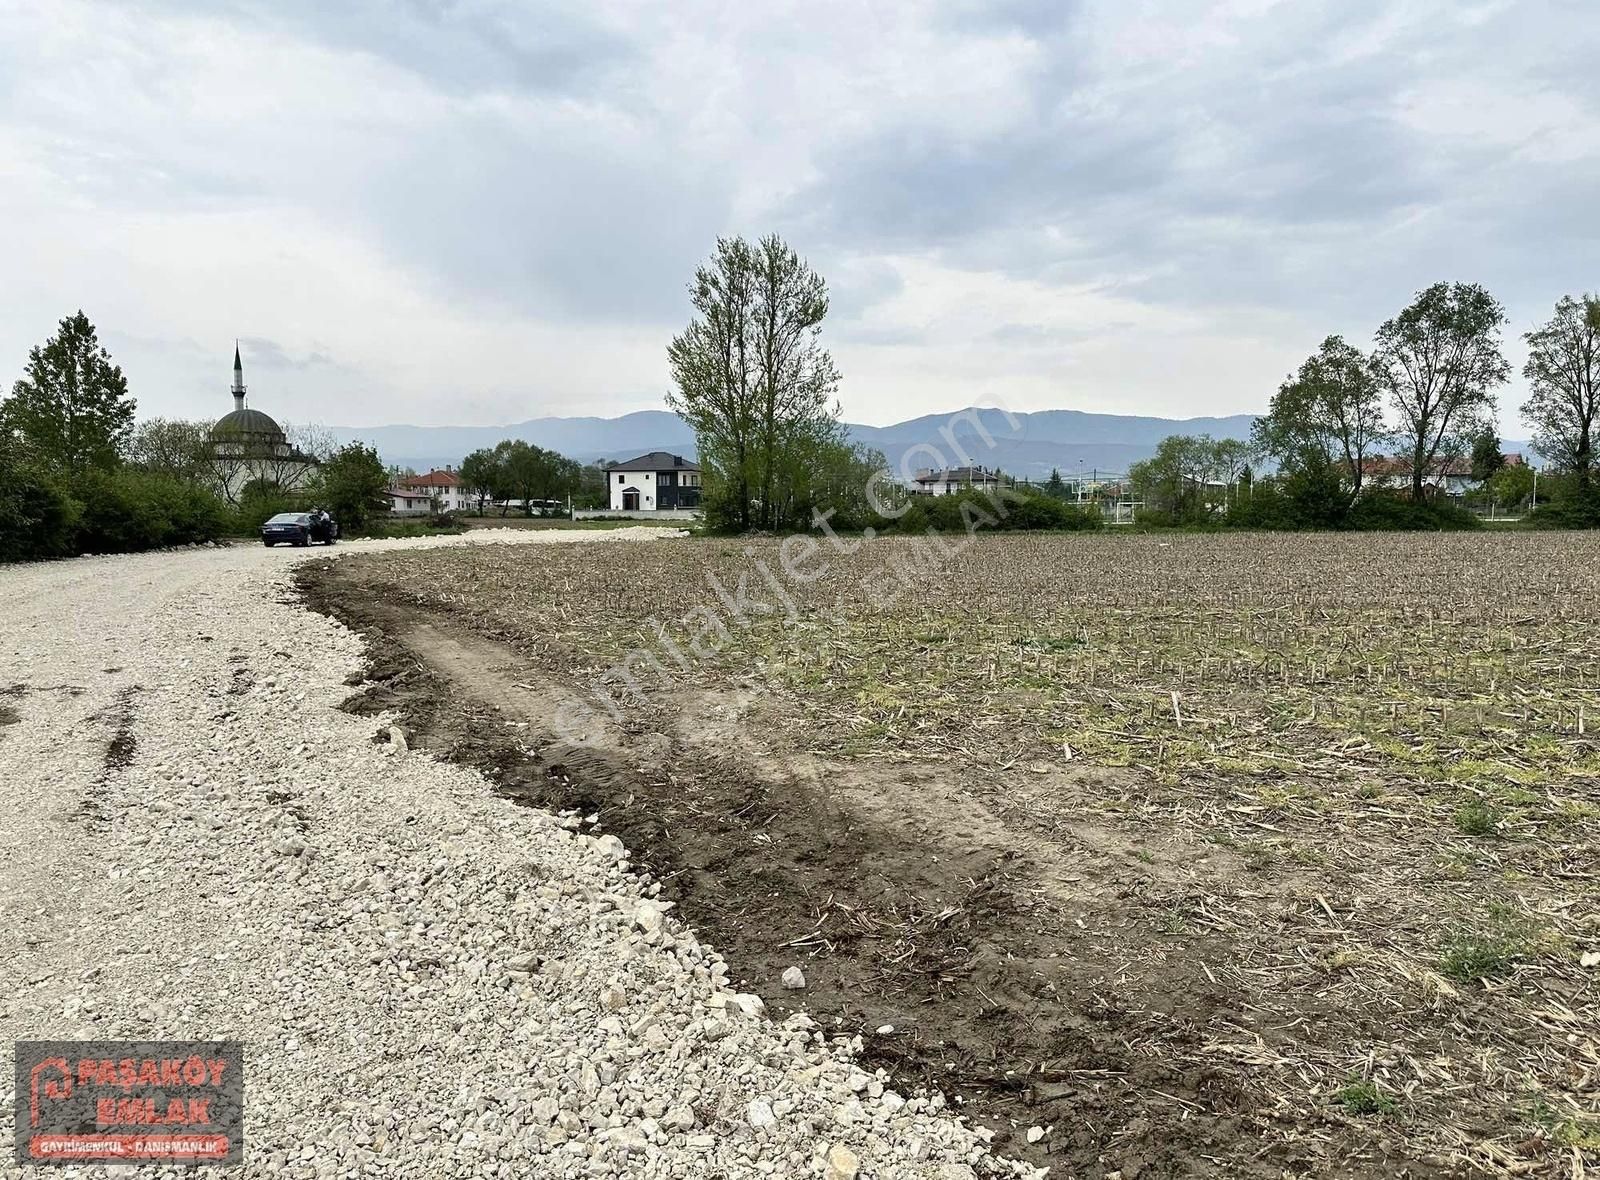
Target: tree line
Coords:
[[515, 471], [80, 474], [1422, 398]]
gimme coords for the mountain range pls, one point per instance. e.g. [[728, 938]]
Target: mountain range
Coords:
[[1023, 444]]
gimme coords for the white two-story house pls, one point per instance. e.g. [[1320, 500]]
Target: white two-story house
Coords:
[[443, 488], [655, 482]]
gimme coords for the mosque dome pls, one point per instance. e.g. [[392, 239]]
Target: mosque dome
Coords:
[[251, 423]]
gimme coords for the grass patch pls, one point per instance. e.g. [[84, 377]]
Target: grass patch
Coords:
[[393, 529], [1478, 818], [1365, 1098], [1468, 958], [1491, 951]]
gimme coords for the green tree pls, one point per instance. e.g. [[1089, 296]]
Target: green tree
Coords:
[[481, 476], [1328, 416], [71, 413], [529, 473], [1511, 486], [1440, 362], [751, 377], [1563, 372], [351, 485], [1317, 493], [1486, 456], [1174, 482], [1055, 487], [591, 490], [822, 472], [174, 447]]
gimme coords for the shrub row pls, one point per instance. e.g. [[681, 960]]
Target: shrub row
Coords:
[[1008, 509], [119, 511], [1274, 507]]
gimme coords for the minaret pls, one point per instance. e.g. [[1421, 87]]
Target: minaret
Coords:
[[238, 379]]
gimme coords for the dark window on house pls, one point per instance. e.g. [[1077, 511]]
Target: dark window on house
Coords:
[[619, 479]]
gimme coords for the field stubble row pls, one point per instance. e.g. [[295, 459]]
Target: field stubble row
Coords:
[[1394, 736]]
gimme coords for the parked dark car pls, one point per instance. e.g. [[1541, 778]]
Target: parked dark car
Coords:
[[300, 528]]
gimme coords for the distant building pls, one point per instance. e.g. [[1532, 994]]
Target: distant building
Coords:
[[655, 482], [408, 502], [247, 447], [958, 479], [444, 488], [1449, 477]]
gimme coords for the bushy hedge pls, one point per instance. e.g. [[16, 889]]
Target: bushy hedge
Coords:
[[125, 511], [1156, 518], [1572, 507], [1276, 506], [1388, 512], [38, 519], [1009, 509], [120, 511]]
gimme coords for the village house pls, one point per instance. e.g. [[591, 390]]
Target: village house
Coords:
[[409, 502], [655, 482], [1448, 477], [958, 479], [443, 487]]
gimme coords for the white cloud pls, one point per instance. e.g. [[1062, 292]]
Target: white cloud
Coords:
[[484, 213]]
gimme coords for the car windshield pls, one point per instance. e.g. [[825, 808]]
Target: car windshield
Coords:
[[289, 518]]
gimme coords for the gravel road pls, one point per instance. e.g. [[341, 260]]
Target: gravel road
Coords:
[[195, 843]]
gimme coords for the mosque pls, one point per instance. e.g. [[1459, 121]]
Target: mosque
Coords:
[[247, 445]]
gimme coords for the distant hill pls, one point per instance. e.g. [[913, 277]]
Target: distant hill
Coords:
[[1066, 439], [426, 447], [1044, 439]]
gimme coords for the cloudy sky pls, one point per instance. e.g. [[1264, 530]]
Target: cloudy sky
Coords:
[[481, 211]]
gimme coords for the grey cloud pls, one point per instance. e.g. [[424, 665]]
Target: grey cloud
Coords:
[[459, 47], [1223, 180], [555, 225], [1040, 19], [1254, 167], [259, 352]]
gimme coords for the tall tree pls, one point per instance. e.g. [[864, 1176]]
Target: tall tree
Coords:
[[1563, 373], [797, 376], [481, 476], [1486, 456], [529, 473], [351, 485], [176, 447], [1440, 361], [1329, 414], [751, 376], [71, 412], [1175, 480], [713, 373]]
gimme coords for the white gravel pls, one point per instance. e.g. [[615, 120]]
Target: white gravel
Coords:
[[430, 981]]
